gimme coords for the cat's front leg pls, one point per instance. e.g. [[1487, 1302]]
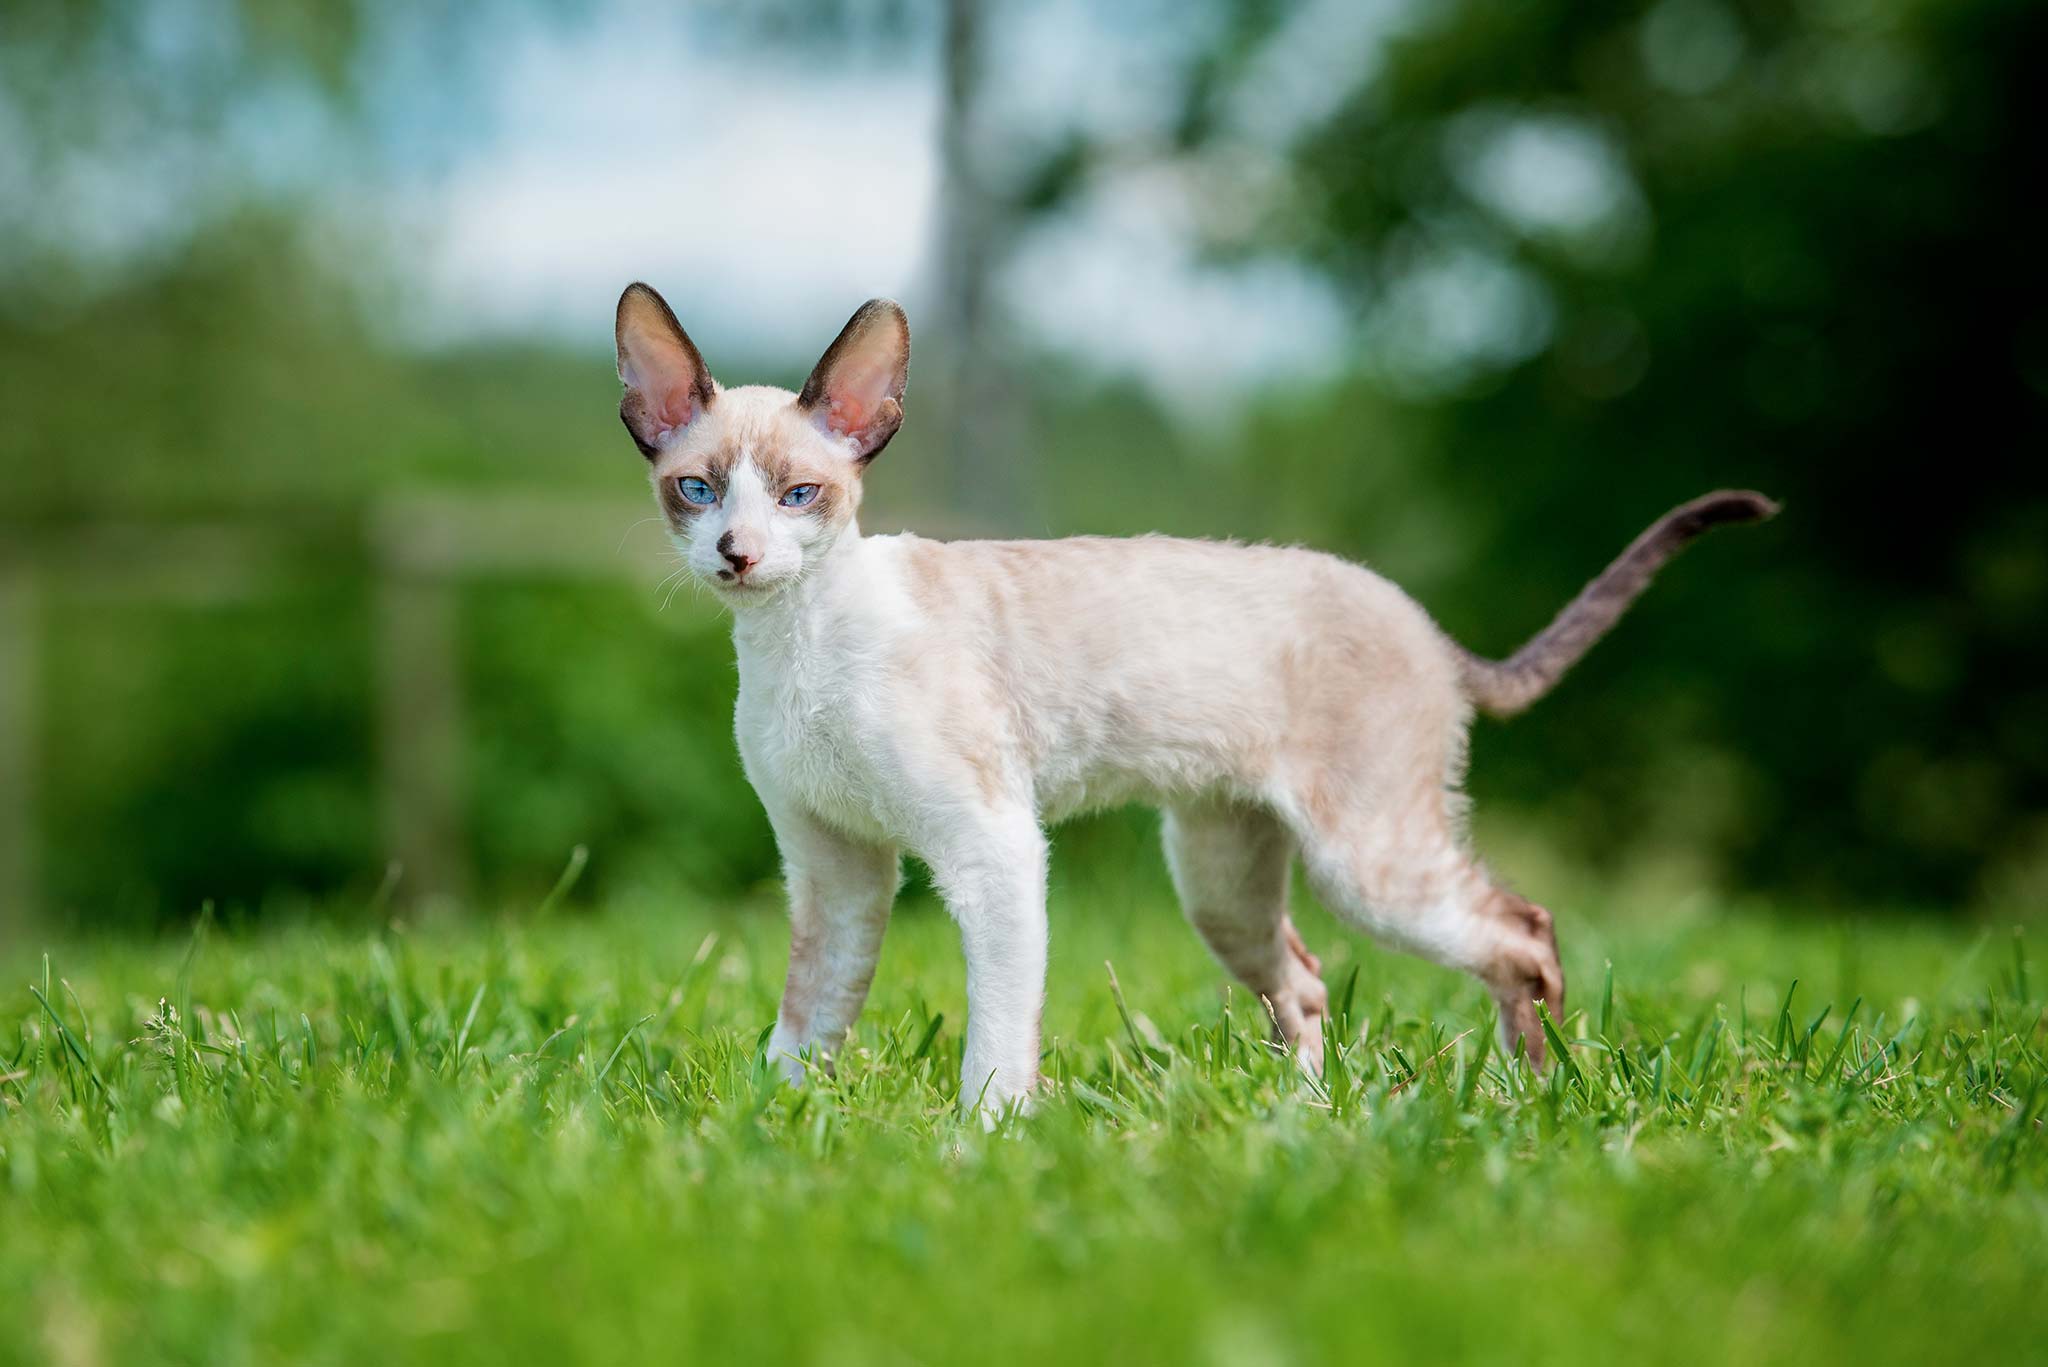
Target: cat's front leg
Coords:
[[840, 891], [990, 866]]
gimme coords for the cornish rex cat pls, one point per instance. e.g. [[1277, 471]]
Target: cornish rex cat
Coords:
[[951, 698]]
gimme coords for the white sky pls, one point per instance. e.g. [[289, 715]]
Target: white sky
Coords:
[[766, 194], [764, 197], [524, 169]]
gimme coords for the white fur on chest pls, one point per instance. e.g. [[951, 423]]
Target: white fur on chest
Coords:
[[818, 687]]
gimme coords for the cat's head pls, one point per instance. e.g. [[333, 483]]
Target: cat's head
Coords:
[[757, 483]]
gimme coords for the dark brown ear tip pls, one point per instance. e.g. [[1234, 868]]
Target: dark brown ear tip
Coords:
[[881, 309], [893, 311], [641, 295]]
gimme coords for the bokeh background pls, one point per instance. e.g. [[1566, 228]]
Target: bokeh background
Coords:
[[327, 576]]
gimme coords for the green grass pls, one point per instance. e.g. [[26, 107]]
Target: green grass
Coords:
[[551, 1139]]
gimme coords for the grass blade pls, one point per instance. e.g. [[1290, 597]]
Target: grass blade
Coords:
[[64, 1037], [1559, 1048], [468, 1019], [572, 872]]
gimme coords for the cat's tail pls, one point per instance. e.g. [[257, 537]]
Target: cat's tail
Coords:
[[1501, 688]]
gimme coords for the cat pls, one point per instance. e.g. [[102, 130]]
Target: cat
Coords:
[[950, 699]]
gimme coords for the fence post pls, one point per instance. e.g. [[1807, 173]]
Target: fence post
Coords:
[[419, 730], [20, 677]]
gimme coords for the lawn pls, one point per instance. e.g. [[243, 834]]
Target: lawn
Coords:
[[548, 1136]]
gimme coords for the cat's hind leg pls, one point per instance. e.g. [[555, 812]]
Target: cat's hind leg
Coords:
[[1404, 877], [1230, 865]]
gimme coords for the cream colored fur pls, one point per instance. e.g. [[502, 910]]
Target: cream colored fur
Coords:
[[950, 699]]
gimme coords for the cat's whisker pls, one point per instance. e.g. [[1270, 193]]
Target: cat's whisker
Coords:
[[670, 582], [632, 527]]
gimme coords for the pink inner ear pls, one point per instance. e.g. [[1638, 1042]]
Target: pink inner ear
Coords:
[[674, 408], [848, 416], [857, 391]]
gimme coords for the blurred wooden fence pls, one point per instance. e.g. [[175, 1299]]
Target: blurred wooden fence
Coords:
[[419, 552]]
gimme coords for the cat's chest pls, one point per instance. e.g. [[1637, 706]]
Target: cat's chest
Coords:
[[806, 729]]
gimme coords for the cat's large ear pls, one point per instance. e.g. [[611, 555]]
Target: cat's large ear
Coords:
[[856, 392], [667, 386]]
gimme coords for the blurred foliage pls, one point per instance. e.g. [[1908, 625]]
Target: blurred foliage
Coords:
[[1827, 284], [1784, 247], [213, 754], [1798, 257], [630, 749]]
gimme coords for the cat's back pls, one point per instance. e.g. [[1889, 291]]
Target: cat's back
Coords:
[[1147, 612], [1050, 586]]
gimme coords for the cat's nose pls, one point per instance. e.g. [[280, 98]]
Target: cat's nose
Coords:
[[741, 560]]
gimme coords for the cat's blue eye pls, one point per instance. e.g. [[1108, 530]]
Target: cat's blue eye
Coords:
[[696, 491], [798, 495]]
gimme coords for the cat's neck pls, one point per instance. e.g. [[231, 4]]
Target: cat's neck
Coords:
[[783, 622]]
